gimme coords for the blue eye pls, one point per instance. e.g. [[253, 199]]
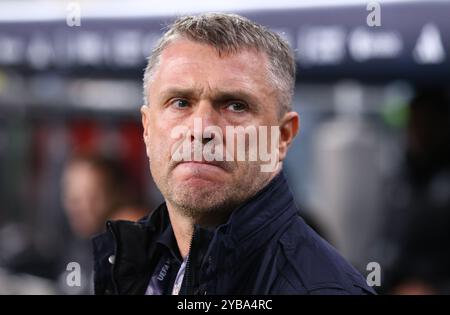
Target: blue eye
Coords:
[[237, 107], [179, 103]]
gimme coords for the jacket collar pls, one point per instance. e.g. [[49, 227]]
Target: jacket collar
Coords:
[[265, 211]]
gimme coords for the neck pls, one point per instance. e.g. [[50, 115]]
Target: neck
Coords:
[[183, 226]]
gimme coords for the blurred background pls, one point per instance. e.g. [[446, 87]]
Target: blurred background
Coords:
[[370, 169]]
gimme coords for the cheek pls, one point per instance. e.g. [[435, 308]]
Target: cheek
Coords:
[[158, 142]]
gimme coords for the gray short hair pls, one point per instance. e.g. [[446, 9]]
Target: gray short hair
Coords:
[[229, 34]]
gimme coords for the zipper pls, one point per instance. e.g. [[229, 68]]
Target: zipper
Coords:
[[189, 287], [198, 246], [190, 271]]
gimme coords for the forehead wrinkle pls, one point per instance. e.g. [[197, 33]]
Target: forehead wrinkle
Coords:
[[182, 71], [173, 60]]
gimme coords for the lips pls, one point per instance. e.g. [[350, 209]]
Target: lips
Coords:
[[205, 163]]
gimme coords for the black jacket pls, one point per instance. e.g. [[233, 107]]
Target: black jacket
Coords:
[[264, 248]]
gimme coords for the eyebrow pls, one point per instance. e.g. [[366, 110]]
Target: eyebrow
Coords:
[[179, 91], [218, 97]]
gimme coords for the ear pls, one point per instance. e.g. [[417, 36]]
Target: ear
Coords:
[[289, 127], [145, 113]]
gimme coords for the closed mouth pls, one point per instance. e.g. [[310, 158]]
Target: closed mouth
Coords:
[[209, 163]]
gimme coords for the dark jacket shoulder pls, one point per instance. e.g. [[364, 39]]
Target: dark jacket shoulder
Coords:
[[312, 266]]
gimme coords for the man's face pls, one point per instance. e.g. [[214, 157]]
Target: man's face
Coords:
[[85, 199], [193, 83]]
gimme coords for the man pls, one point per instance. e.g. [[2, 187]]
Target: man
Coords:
[[228, 225], [95, 189]]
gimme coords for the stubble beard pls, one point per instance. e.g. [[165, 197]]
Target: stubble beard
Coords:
[[212, 200]]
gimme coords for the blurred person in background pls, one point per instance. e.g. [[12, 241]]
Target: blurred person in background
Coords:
[[419, 201], [95, 189]]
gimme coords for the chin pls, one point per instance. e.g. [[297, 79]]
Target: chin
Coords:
[[199, 181], [197, 187], [198, 196]]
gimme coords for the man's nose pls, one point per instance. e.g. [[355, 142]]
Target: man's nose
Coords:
[[205, 115]]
